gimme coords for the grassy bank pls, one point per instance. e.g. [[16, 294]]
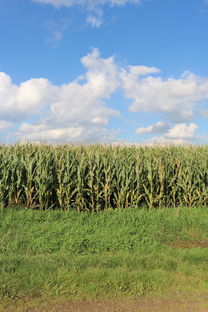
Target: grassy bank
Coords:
[[116, 253]]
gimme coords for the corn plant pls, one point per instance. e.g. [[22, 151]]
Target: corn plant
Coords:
[[94, 178]]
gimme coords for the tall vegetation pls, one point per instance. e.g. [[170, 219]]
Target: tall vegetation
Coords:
[[97, 177]]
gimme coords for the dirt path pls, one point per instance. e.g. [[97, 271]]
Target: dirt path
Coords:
[[192, 303]]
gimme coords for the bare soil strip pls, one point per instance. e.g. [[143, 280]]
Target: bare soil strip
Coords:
[[193, 303]]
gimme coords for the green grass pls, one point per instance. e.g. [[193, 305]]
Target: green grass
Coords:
[[116, 253]]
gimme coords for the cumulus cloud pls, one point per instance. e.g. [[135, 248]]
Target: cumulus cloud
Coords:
[[5, 124], [75, 111], [77, 134], [46, 133], [163, 141], [154, 141], [18, 102], [175, 133], [176, 99], [182, 131], [135, 71], [159, 127], [84, 102], [203, 112]]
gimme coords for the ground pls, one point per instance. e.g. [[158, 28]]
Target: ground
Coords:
[[197, 302]]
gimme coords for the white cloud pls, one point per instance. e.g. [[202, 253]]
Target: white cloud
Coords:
[[178, 131], [78, 111], [203, 112], [56, 31], [84, 102], [94, 6], [5, 124], [135, 71], [182, 131], [90, 4], [159, 127], [163, 141], [45, 133], [77, 134], [99, 120], [75, 111], [19, 102], [154, 141], [176, 99], [94, 21]]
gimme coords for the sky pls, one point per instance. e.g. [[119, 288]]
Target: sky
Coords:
[[104, 71]]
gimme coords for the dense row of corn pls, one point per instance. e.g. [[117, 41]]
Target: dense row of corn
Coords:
[[98, 177]]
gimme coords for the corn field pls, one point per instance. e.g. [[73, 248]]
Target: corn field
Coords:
[[97, 177]]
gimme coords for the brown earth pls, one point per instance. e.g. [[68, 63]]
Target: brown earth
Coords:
[[174, 303], [182, 244]]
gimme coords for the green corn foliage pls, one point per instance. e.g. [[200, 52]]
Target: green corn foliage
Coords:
[[66, 164], [97, 177], [94, 189]]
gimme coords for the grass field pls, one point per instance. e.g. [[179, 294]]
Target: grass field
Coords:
[[112, 254]]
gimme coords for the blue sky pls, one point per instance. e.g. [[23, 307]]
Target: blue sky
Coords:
[[88, 71]]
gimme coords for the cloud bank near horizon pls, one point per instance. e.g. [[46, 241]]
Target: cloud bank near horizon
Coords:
[[80, 111]]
